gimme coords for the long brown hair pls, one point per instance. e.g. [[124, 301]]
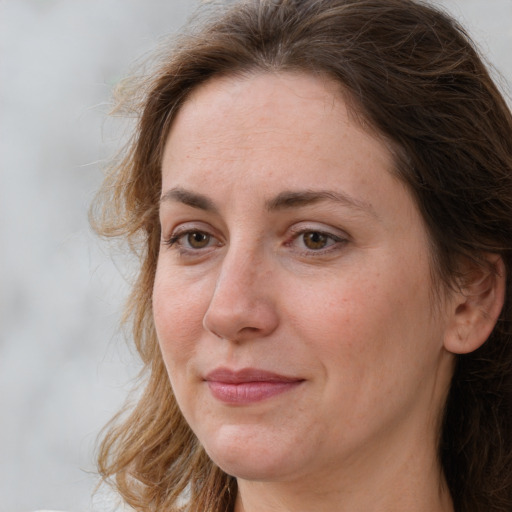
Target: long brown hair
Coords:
[[413, 75]]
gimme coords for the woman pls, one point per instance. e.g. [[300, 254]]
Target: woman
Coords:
[[321, 192]]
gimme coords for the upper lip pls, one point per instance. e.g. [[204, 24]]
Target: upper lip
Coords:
[[229, 376]]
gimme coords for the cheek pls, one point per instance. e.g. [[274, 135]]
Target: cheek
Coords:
[[371, 326], [178, 315], [377, 347], [341, 315]]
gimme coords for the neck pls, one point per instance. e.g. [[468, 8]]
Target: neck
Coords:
[[263, 497]]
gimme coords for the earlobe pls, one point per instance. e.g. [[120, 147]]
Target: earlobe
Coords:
[[476, 307]]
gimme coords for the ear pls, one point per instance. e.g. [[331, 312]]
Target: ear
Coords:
[[476, 306]]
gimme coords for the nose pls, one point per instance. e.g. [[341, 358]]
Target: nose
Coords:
[[242, 306]]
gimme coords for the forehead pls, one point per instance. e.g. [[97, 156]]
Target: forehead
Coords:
[[248, 95], [270, 120]]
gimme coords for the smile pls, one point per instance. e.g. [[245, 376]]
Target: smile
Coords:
[[248, 386]]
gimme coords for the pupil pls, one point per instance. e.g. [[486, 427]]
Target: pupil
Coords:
[[315, 240], [198, 239]]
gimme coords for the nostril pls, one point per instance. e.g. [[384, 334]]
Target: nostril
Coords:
[[241, 322], [242, 333], [216, 334]]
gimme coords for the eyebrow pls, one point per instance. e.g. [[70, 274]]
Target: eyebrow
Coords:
[[283, 201], [296, 199], [193, 199]]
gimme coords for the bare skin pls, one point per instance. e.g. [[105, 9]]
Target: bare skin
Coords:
[[292, 302]]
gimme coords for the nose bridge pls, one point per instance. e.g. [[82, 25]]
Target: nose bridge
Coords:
[[241, 305], [241, 267]]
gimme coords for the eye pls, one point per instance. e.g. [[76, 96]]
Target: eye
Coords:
[[198, 239], [191, 240], [315, 240]]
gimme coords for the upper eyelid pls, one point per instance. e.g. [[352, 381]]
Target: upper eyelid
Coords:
[[178, 233], [294, 230], [187, 226], [304, 227], [333, 237]]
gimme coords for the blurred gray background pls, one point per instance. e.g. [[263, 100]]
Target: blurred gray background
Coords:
[[64, 367]]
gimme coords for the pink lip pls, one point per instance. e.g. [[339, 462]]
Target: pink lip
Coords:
[[248, 385]]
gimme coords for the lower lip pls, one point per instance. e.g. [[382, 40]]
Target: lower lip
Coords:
[[249, 392]]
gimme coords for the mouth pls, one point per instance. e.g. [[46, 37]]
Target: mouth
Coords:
[[249, 385]]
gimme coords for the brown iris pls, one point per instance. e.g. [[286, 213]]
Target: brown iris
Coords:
[[315, 240], [198, 240]]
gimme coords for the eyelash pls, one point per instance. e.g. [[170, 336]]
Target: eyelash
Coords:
[[336, 242], [176, 239]]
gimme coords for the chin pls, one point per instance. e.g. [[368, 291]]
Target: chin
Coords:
[[249, 455], [257, 469]]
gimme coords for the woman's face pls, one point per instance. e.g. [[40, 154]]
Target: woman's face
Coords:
[[292, 297]]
